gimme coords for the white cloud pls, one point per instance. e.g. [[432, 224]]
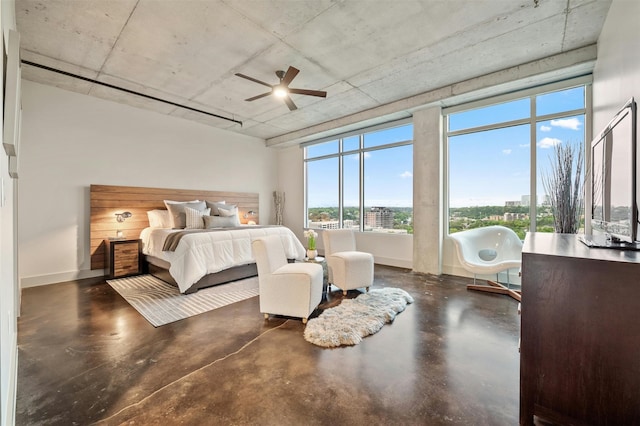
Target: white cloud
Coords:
[[544, 128], [406, 174], [367, 155], [567, 123], [506, 151], [524, 145], [548, 142]]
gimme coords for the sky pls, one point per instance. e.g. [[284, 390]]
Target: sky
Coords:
[[485, 168], [388, 173], [492, 167]]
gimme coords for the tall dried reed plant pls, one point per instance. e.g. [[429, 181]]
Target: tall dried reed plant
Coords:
[[565, 187], [278, 201]]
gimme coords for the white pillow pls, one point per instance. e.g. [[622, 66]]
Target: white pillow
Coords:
[[228, 211], [159, 218], [194, 217]]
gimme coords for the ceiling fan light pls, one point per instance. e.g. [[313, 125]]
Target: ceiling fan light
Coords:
[[280, 92]]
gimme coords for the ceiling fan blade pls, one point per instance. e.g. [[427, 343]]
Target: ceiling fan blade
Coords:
[[319, 93], [290, 75], [253, 79], [290, 104], [258, 97]]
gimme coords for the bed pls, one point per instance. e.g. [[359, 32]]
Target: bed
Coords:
[[210, 256], [195, 258]]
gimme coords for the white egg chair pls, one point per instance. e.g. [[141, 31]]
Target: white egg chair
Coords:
[[489, 250]]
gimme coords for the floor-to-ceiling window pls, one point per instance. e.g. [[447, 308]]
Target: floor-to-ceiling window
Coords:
[[500, 149], [362, 180]]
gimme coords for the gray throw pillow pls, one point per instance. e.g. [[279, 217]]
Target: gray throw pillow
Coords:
[[176, 212], [214, 205], [221, 221]]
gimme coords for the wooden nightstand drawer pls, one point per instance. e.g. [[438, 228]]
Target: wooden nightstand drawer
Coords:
[[124, 257]]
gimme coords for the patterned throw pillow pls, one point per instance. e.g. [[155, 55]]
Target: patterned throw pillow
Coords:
[[176, 211], [194, 217]]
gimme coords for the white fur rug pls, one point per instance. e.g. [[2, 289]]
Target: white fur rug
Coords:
[[353, 319]]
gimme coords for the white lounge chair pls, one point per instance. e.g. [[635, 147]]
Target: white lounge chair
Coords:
[[489, 250], [289, 289]]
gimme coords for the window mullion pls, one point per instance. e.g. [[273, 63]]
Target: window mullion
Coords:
[[533, 191], [340, 185], [494, 126], [556, 115], [361, 183]]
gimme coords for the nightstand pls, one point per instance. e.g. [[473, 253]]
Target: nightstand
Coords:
[[123, 257]]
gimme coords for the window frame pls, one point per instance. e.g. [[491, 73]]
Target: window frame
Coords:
[[532, 93], [341, 154]]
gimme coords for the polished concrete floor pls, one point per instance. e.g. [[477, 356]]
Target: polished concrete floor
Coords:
[[86, 356]]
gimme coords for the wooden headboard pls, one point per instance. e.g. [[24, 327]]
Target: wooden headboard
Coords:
[[108, 200]]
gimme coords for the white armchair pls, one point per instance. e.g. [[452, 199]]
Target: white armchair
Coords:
[[347, 268], [289, 289], [489, 250]]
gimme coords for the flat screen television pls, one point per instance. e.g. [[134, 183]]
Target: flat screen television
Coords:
[[614, 201]]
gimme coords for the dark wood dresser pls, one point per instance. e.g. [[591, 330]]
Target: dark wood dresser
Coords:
[[580, 333], [123, 257]]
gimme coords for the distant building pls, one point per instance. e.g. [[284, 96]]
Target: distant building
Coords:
[[510, 217], [546, 201], [525, 200], [349, 224], [325, 224], [379, 217], [512, 204]]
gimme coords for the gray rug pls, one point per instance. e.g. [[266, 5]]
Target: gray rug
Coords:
[[161, 303], [353, 319]]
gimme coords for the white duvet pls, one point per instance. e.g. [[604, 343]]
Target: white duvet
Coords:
[[199, 254]]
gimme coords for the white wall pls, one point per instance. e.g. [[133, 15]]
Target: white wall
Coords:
[[70, 141], [9, 288], [616, 76]]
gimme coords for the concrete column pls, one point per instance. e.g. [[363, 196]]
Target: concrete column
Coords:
[[427, 191]]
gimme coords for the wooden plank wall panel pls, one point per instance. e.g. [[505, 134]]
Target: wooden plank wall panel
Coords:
[[107, 200]]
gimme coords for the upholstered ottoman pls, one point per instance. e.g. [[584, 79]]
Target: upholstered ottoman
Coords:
[[350, 270]]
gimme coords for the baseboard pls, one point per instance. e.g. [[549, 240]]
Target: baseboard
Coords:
[[389, 261], [9, 405], [39, 280]]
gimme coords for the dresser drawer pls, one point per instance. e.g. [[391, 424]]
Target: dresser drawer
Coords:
[[124, 257]]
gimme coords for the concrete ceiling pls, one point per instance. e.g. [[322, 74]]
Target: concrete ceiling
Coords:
[[364, 53]]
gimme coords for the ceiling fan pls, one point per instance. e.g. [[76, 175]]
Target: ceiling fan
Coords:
[[282, 89]]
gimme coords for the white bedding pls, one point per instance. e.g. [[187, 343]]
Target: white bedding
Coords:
[[199, 254]]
